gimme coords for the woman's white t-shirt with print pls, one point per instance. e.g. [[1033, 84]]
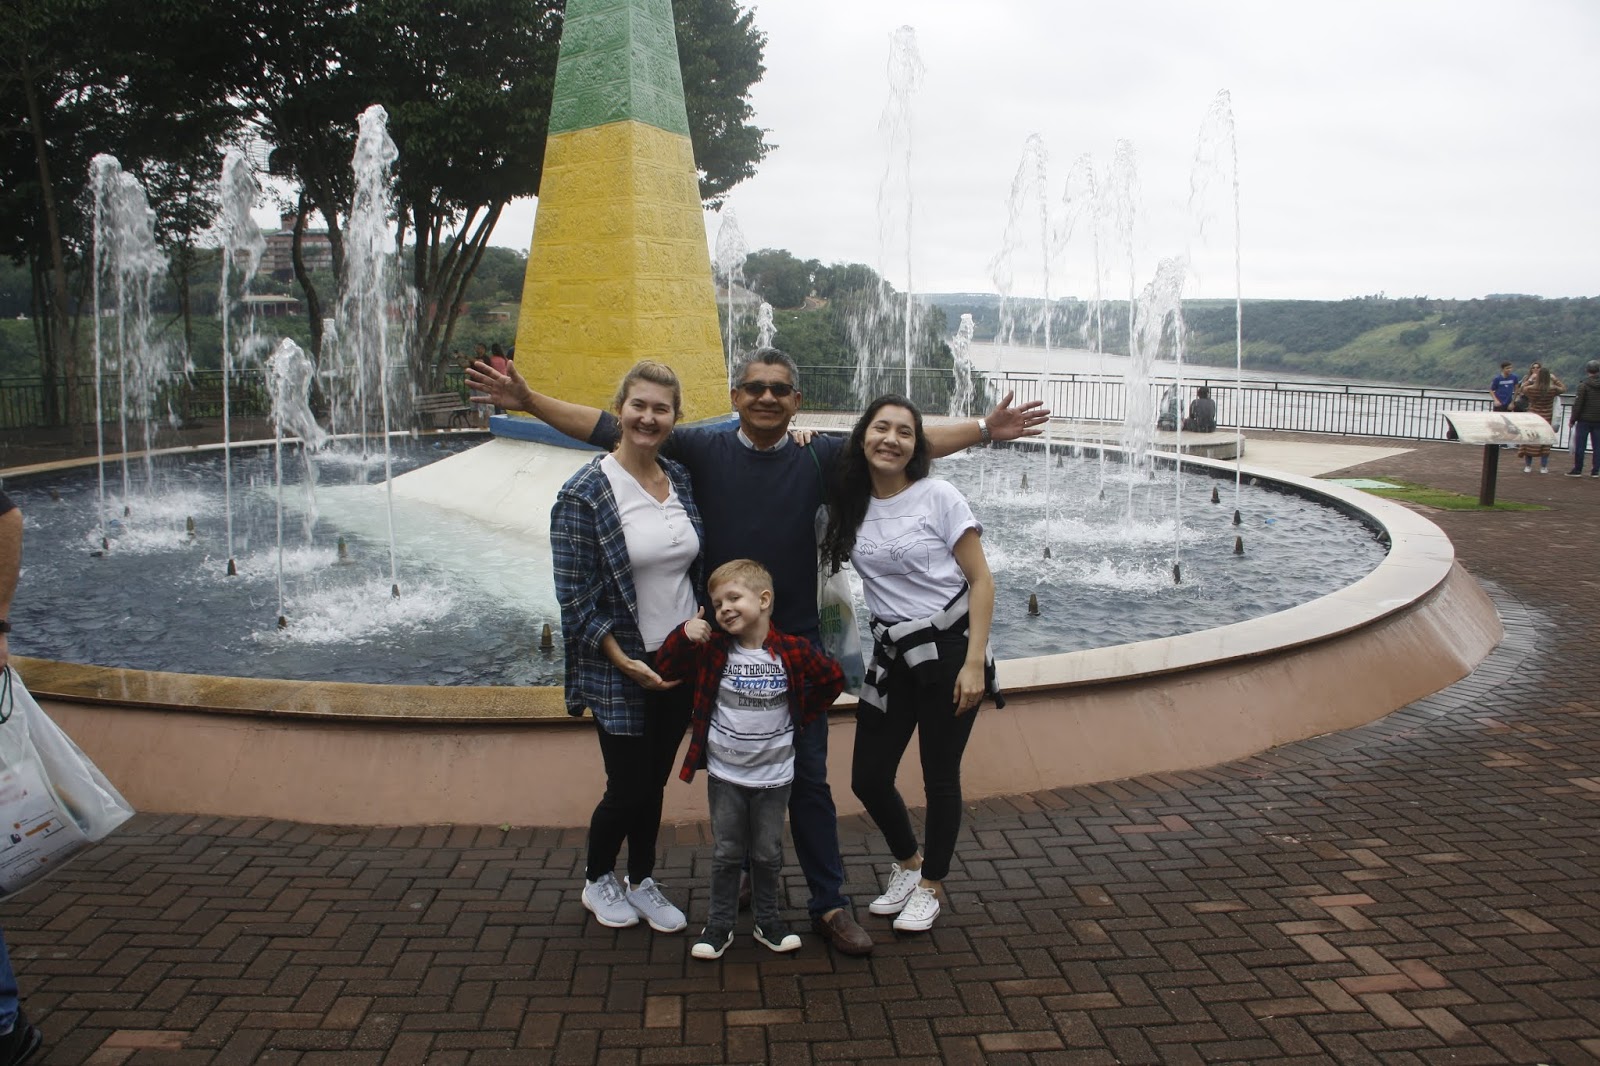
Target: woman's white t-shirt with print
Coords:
[[904, 550]]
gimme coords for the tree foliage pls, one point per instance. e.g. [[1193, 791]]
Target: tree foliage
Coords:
[[165, 84]]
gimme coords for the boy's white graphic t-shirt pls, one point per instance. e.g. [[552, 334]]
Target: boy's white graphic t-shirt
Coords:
[[751, 740], [904, 550]]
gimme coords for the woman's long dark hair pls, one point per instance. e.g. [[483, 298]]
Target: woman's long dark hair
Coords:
[[852, 483]]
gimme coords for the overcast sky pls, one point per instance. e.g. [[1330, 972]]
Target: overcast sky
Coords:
[[1447, 148]]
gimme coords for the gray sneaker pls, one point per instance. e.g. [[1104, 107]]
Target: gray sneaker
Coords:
[[604, 897], [654, 908]]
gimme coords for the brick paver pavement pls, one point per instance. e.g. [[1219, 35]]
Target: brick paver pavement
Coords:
[[1420, 890]]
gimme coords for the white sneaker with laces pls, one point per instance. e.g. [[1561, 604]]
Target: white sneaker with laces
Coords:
[[902, 882], [919, 912], [654, 908], [604, 897]]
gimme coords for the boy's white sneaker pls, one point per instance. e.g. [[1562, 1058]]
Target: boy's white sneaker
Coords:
[[604, 897], [902, 882], [919, 912], [655, 908]]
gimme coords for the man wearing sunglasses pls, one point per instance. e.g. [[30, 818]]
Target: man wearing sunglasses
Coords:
[[759, 493]]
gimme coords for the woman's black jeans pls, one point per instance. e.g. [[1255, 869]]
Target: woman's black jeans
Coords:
[[637, 770], [881, 740]]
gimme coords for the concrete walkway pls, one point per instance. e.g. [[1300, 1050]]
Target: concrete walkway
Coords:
[[1420, 890]]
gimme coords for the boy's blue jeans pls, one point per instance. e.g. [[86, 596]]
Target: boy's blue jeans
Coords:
[[745, 821], [8, 990]]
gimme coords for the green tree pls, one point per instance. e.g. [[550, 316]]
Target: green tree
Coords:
[[781, 279], [148, 83], [720, 51]]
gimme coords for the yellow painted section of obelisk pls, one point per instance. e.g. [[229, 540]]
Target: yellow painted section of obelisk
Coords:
[[619, 270]]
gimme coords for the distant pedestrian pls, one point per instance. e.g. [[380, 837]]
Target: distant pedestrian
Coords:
[[1503, 389], [1202, 413], [1170, 402], [20, 1038], [1540, 388], [1585, 421]]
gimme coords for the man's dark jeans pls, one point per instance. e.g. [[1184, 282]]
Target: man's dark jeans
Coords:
[[814, 821], [1585, 433]]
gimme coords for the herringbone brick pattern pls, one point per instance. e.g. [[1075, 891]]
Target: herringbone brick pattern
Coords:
[[1421, 890]]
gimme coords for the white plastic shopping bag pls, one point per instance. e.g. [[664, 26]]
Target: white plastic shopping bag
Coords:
[[841, 638], [54, 802]]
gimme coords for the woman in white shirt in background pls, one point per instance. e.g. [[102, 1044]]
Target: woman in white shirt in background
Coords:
[[916, 544]]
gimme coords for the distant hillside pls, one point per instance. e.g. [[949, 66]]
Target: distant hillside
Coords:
[[1452, 343]]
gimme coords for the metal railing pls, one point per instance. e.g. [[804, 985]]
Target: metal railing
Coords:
[[1394, 411], [1340, 408], [23, 402]]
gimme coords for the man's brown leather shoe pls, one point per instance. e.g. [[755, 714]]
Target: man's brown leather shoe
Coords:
[[841, 930]]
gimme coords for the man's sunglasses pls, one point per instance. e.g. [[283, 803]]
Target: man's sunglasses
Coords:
[[754, 389]]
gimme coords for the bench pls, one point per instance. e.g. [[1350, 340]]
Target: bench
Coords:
[[444, 409]]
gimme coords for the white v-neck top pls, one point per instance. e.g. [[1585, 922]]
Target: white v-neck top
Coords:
[[662, 546]]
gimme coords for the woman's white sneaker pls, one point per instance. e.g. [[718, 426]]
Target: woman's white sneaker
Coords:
[[604, 897], [655, 908], [902, 882], [919, 912]]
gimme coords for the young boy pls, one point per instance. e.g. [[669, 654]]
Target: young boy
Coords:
[[753, 688]]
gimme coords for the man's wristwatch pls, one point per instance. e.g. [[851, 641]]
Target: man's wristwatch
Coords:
[[983, 431]]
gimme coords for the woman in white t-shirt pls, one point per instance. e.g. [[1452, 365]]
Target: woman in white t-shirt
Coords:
[[626, 542], [916, 545]]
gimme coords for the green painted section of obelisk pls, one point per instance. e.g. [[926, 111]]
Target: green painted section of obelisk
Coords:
[[619, 60]]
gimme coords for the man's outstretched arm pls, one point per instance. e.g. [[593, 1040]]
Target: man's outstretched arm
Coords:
[[510, 391], [1005, 422]]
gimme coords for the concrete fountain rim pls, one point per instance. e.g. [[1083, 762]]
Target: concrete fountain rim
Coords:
[[1419, 560]]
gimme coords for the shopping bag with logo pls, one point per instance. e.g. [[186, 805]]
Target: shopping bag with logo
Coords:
[[54, 802]]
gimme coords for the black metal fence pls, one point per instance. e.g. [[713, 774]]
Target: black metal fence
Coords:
[[1299, 406], [193, 397]]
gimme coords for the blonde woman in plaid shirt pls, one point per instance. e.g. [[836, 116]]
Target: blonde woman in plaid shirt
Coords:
[[626, 539]]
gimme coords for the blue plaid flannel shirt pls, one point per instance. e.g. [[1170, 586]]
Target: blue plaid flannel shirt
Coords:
[[594, 585]]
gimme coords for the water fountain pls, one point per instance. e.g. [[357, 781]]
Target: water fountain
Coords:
[[883, 323], [242, 247], [731, 253], [337, 751]]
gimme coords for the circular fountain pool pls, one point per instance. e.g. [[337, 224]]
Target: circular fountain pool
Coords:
[[474, 597]]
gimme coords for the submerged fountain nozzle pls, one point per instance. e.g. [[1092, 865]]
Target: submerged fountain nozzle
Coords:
[[1177, 574], [1033, 604], [547, 638], [344, 551], [394, 591], [283, 622], [233, 568], [55, 496], [1047, 551], [1024, 481], [1216, 497], [1238, 520], [188, 526], [1238, 545]]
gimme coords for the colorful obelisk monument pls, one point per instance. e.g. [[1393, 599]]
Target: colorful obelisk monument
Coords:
[[618, 269]]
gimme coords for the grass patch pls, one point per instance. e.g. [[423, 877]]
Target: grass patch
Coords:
[[1444, 499]]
